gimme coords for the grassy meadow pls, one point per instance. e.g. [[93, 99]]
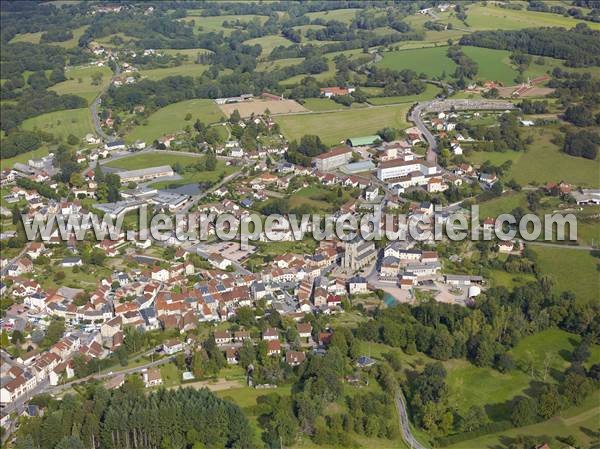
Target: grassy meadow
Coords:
[[62, 123], [334, 127], [171, 119], [79, 82]]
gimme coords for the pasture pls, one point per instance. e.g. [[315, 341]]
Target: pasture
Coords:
[[544, 162], [79, 82], [215, 23], [432, 61], [580, 421], [429, 93], [187, 69], [62, 123], [171, 119], [494, 65], [342, 15], [571, 269], [491, 17], [268, 43], [247, 108], [334, 127]]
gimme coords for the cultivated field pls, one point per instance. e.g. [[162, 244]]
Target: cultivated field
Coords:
[[62, 123], [334, 127], [171, 119], [247, 108]]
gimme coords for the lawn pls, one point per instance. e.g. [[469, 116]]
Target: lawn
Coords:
[[170, 375], [79, 82], [171, 119], [268, 43], [544, 162], [187, 69], [335, 127], [571, 269], [62, 123], [431, 61]]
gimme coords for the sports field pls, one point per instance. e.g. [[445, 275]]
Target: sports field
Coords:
[[334, 127], [153, 159], [62, 123], [247, 108], [79, 82], [171, 119]]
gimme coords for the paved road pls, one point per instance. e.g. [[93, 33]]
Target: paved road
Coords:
[[407, 435]]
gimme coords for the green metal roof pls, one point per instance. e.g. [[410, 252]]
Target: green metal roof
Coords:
[[361, 141]]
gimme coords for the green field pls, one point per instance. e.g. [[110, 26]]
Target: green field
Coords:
[[191, 53], [502, 205], [491, 17], [431, 61], [85, 88], [156, 159], [470, 385], [322, 104], [187, 69], [334, 127], [267, 66], [581, 422], [24, 157], [153, 159], [553, 346], [571, 269], [494, 65], [342, 15], [171, 119], [429, 93], [501, 278], [62, 123], [544, 162], [34, 38], [268, 43], [215, 23]]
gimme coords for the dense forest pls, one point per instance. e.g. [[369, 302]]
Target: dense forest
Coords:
[[129, 419]]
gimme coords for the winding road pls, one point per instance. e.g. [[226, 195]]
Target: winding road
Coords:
[[96, 103], [407, 435]]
